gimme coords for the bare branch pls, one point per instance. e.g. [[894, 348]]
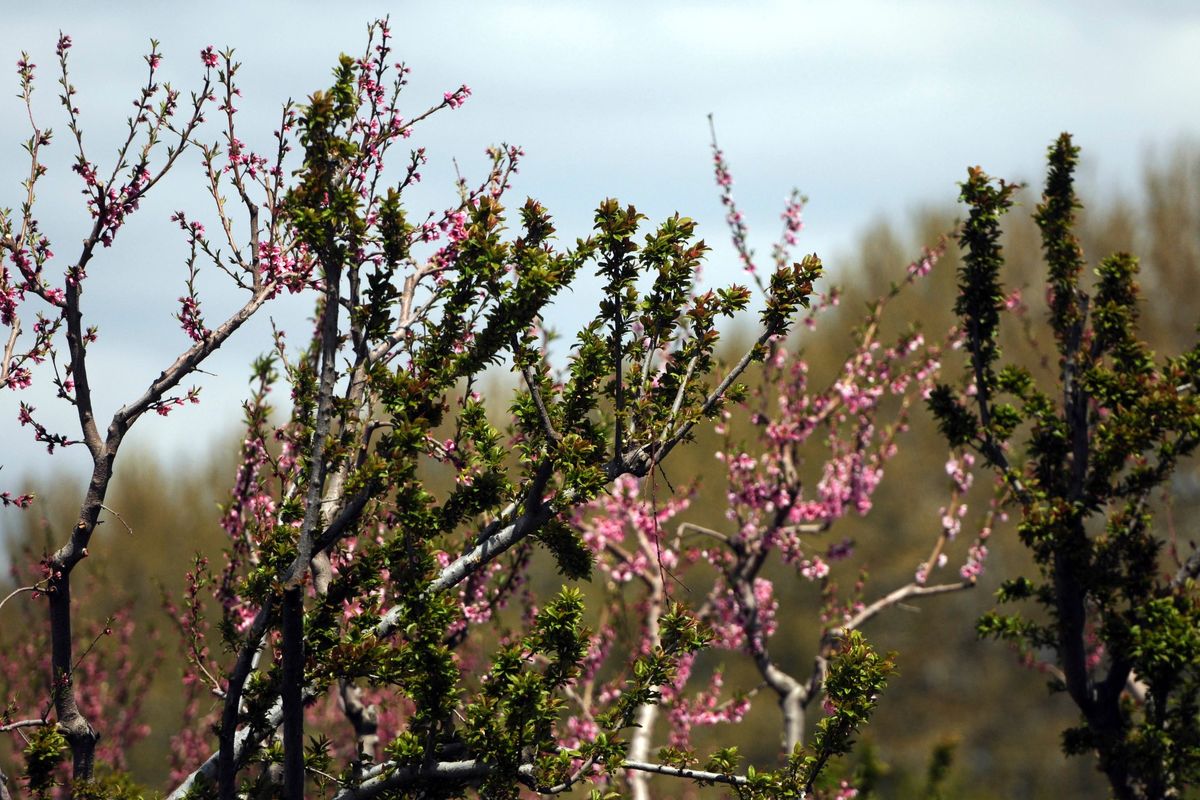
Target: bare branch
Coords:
[[25, 723], [386, 777], [17, 591], [891, 599]]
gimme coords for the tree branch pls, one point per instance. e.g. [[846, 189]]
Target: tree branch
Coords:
[[892, 598], [387, 777]]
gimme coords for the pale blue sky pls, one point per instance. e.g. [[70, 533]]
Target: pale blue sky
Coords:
[[870, 108]]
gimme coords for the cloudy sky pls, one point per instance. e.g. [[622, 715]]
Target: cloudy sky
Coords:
[[870, 108]]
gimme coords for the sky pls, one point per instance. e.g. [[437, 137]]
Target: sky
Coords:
[[870, 108]]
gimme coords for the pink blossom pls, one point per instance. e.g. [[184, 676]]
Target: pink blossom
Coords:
[[20, 501], [190, 319], [845, 791], [705, 709], [814, 569], [578, 732], [974, 565], [285, 269], [457, 97], [793, 223], [19, 378]]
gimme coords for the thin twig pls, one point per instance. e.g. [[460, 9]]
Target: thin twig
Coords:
[[17, 591], [536, 393], [119, 518], [691, 526], [894, 597]]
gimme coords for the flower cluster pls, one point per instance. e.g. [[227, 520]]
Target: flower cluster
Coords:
[[290, 268], [19, 501], [793, 223], [459, 96], [706, 708], [733, 217]]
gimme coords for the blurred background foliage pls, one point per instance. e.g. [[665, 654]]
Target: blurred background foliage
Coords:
[[962, 719]]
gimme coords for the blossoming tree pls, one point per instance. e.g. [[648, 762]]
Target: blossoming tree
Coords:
[[378, 632]]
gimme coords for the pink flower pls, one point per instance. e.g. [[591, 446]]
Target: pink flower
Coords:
[[191, 320], [922, 266], [458, 96], [19, 378], [20, 501], [793, 221], [285, 268], [974, 564], [846, 791], [814, 569], [578, 731], [209, 56]]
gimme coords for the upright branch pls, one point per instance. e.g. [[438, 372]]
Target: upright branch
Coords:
[[1109, 432], [159, 132]]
